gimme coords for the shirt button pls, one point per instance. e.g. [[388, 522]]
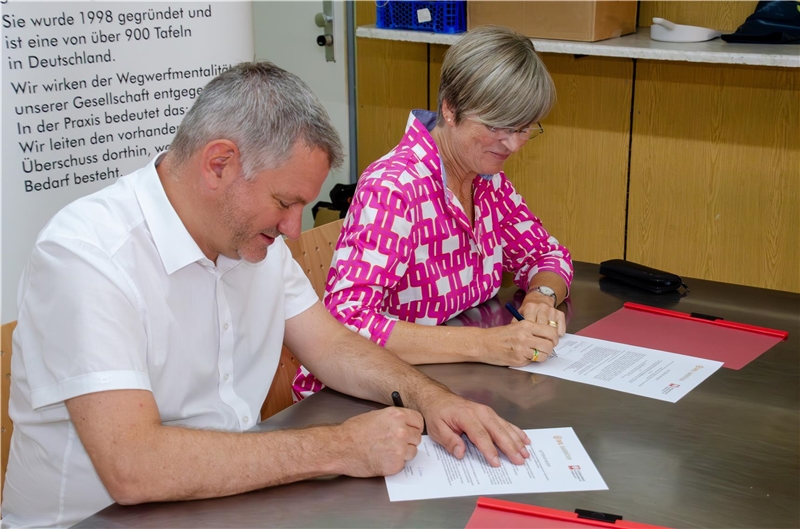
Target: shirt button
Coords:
[[225, 327], [246, 419], [227, 376]]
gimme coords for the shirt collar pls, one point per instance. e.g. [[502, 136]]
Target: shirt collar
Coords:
[[427, 121], [175, 245]]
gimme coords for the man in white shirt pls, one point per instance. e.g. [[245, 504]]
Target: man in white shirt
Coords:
[[151, 318]]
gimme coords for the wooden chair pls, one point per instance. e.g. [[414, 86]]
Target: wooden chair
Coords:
[[314, 251], [5, 386]]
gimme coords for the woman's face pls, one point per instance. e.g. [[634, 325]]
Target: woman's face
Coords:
[[481, 150]]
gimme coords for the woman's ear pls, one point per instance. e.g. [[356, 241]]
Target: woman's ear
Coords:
[[447, 112]]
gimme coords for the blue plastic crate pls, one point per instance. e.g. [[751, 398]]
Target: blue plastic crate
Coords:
[[445, 16]]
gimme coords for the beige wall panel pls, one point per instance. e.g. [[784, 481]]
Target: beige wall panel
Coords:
[[365, 12], [724, 16], [437, 57], [391, 80], [715, 172], [574, 177]]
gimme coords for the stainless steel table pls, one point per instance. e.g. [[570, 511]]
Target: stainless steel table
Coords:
[[727, 455]]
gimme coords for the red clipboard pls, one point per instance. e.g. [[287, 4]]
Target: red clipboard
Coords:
[[735, 344], [496, 514]]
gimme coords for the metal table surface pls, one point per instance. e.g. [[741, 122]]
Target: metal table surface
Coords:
[[727, 455]]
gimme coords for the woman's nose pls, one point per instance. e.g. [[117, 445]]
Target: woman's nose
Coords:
[[515, 141]]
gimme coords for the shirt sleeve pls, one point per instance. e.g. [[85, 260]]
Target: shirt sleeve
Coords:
[[79, 328], [372, 255], [298, 290], [527, 247]]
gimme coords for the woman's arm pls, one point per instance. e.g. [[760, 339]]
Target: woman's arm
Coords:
[[372, 255], [508, 345]]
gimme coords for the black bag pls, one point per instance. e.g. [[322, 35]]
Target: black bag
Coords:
[[771, 23], [341, 196], [640, 276]]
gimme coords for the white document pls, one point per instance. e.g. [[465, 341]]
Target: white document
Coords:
[[558, 463], [628, 368]]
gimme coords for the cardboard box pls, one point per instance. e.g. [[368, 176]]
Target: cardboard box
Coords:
[[325, 215], [581, 20]]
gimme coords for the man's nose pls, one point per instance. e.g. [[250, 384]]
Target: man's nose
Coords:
[[292, 224]]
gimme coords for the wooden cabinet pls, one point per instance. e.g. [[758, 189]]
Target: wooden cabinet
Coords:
[[692, 168]]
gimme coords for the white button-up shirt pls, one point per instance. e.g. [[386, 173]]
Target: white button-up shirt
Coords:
[[117, 295]]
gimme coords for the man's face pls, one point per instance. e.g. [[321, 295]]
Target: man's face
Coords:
[[255, 212]]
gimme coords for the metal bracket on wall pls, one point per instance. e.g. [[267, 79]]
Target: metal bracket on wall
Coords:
[[325, 20]]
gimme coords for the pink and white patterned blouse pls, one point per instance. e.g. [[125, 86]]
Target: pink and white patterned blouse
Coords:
[[407, 250]]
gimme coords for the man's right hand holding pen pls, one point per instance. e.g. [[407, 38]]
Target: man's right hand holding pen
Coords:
[[380, 442], [386, 439]]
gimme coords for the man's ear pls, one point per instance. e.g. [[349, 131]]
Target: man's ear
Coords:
[[219, 162]]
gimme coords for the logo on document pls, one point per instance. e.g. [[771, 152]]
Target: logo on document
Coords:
[[576, 472], [670, 387]]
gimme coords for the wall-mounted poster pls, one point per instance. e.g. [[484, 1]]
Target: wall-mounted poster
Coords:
[[91, 92]]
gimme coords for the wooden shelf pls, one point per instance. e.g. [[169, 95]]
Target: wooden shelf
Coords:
[[635, 46]]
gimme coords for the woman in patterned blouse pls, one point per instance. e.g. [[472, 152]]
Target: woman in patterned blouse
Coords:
[[435, 222]]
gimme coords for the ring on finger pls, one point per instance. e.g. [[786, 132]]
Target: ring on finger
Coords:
[[552, 323], [535, 355]]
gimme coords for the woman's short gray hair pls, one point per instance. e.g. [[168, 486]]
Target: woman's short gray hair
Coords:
[[264, 110], [494, 74]]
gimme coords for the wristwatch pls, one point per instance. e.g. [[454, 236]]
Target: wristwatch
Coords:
[[547, 291]]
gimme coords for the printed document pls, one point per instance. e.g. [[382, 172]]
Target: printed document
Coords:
[[628, 368], [558, 463]]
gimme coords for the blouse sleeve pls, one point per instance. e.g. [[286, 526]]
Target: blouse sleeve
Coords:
[[371, 256], [527, 247]]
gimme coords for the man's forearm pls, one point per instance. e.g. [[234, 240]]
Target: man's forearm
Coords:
[[140, 460], [361, 368], [192, 464]]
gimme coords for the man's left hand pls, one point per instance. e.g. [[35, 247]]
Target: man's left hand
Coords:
[[449, 416]]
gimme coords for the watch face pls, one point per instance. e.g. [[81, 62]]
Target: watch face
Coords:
[[547, 291]]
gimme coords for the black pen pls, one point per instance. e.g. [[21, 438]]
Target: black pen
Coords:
[[396, 400], [514, 312]]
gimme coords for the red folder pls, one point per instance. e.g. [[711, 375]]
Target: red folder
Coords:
[[496, 514], [734, 344]]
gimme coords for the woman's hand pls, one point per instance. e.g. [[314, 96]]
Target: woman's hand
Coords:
[[544, 313], [519, 343]]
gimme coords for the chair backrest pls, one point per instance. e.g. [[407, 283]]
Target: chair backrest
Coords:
[[314, 251], [5, 386]]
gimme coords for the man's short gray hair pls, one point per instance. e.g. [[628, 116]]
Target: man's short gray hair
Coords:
[[495, 75], [264, 110]]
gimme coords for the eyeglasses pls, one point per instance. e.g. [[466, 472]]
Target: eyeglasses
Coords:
[[525, 134]]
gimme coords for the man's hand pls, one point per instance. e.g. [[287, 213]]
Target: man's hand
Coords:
[[449, 415], [380, 442]]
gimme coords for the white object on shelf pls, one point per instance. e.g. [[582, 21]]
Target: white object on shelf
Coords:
[[636, 46], [424, 15], [665, 31]]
